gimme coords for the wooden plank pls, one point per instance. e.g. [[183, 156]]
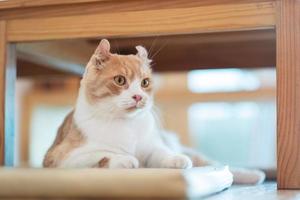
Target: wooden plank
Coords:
[[112, 184], [170, 53], [33, 3], [4, 4], [210, 18], [288, 94], [190, 39], [2, 86], [243, 49], [67, 56], [126, 183], [26, 69], [108, 7]]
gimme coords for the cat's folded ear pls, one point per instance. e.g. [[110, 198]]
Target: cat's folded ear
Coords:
[[102, 53], [142, 53]]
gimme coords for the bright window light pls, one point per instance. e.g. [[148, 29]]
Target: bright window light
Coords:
[[222, 80], [235, 133]]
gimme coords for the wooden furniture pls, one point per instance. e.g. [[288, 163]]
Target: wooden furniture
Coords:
[[32, 20], [113, 183], [245, 49]]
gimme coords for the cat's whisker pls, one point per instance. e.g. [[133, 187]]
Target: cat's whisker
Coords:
[[126, 102], [152, 45], [118, 49], [162, 47]]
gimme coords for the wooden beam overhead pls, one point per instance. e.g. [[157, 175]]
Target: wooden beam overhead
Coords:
[[243, 49], [194, 18], [86, 7], [66, 56], [32, 70], [30, 3], [47, 3]]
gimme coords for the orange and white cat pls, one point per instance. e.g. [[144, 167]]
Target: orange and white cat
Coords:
[[113, 124]]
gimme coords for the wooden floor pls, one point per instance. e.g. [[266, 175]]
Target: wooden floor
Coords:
[[266, 191]]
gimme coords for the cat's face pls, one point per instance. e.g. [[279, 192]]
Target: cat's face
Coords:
[[120, 83]]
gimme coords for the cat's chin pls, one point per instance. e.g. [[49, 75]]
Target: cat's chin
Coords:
[[135, 108], [134, 111], [131, 109]]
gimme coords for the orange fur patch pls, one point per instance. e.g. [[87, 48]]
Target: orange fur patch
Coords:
[[68, 137], [103, 163]]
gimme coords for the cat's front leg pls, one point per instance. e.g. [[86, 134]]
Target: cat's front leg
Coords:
[[123, 161], [163, 157], [81, 158]]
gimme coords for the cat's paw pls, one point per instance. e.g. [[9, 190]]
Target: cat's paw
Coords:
[[177, 161], [126, 162]]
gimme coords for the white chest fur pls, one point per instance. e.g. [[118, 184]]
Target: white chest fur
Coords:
[[106, 133], [118, 135]]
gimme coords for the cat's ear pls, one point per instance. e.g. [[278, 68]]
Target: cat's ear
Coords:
[[142, 53], [102, 53]]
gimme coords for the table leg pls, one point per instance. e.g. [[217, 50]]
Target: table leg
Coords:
[[288, 94]]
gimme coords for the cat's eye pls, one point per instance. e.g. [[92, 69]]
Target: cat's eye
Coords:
[[120, 80], [145, 82]]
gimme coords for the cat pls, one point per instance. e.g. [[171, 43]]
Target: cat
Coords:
[[113, 124]]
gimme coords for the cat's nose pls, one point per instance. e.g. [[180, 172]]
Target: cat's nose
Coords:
[[137, 98]]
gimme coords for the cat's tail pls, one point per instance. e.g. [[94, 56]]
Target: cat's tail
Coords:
[[240, 175]]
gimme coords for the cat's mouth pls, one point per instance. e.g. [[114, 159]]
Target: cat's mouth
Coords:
[[134, 107]]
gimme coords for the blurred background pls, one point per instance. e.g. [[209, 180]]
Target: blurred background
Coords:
[[215, 90]]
